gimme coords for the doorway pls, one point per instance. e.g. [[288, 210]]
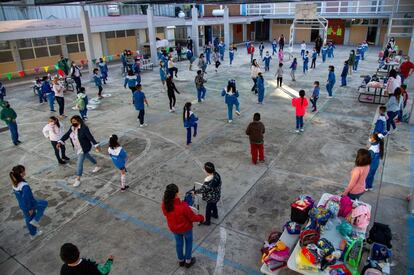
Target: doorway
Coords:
[[262, 30], [314, 34], [371, 34]]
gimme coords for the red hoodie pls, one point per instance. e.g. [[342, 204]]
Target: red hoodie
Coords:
[[181, 218], [300, 106]]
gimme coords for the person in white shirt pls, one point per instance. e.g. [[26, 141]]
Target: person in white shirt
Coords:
[[394, 82], [58, 90], [302, 48], [254, 72], [53, 130]]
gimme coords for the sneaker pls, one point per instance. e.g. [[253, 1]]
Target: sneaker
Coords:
[[238, 113], [38, 233], [181, 263], [173, 108], [191, 263], [297, 131], [62, 162], [18, 141], [329, 96], [143, 125], [77, 183], [230, 121], [202, 100], [205, 223], [34, 223], [96, 169], [85, 118], [171, 111], [368, 189], [301, 129], [65, 158], [215, 217]]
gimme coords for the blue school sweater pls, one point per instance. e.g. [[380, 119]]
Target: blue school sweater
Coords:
[[314, 55], [97, 79], [25, 197], [103, 67], [131, 81], [230, 98], [138, 99], [118, 156], [260, 84], [163, 75], [380, 125], [190, 121], [266, 60], [345, 70], [316, 91], [331, 78], [305, 59]]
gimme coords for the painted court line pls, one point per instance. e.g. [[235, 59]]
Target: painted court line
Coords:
[[153, 229], [410, 219], [221, 252]]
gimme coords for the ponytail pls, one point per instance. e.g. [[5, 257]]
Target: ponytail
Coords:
[[302, 96], [186, 110], [169, 195], [16, 175]]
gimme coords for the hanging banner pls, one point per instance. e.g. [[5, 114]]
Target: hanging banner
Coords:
[[61, 72], [36, 69], [94, 61], [83, 62], [21, 73], [46, 68], [9, 76], [110, 57], [56, 66]]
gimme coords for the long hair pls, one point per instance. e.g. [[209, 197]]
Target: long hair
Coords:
[[397, 94], [363, 158], [302, 96], [113, 142], [16, 174], [55, 120], [381, 144], [169, 195], [231, 86], [186, 110]]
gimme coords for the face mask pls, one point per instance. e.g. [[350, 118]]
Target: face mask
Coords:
[[75, 124]]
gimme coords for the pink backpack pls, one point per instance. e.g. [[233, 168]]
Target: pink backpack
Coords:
[[345, 206], [361, 216], [281, 255]]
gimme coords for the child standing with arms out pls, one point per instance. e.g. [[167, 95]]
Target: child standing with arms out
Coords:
[[305, 62], [260, 88], [279, 74], [81, 103], [331, 81], [255, 131], [73, 264], [163, 74], [302, 48], [261, 48], [315, 95], [314, 56], [376, 151], [104, 70], [300, 105], [98, 82], [139, 100], [324, 51], [119, 158], [230, 98], [190, 121], [344, 74], [266, 60], [292, 68]]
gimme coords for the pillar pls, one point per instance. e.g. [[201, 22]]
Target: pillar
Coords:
[[346, 35], [411, 49], [226, 27], [16, 55], [104, 44], [87, 37], [244, 30], [151, 35], [65, 52], [378, 34], [137, 40], [194, 30]]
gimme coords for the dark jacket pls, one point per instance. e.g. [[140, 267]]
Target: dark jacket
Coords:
[[171, 88], [255, 131], [211, 189], [84, 136]]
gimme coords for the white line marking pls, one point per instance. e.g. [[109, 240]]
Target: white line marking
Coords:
[[221, 251]]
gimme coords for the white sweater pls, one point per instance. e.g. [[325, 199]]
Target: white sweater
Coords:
[[58, 89], [254, 71], [53, 133]]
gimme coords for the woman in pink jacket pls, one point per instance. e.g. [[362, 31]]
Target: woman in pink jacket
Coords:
[[356, 185], [300, 104]]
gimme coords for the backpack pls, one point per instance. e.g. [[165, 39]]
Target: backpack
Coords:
[[345, 206], [80, 103], [380, 252], [361, 216], [371, 268], [380, 233], [320, 214], [353, 253], [308, 236]]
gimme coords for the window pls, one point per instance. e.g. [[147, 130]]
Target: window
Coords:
[[110, 34], [39, 47], [5, 52], [26, 54], [71, 38], [53, 40], [130, 32], [24, 43], [120, 34], [39, 42], [75, 43], [73, 48], [41, 52], [55, 50]]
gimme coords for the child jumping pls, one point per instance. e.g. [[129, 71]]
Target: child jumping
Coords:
[[119, 158], [190, 121], [300, 105], [315, 95], [231, 94], [98, 82], [292, 68]]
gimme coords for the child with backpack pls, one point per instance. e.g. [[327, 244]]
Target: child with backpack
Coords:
[[266, 61], [279, 74], [292, 68], [119, 158], [190, 121], [376, 151], [344, 73], [356, 185], [300, 104], [315, 95], [230, 98], [305, 62], [81, 103], [104, 70], [98, 82]]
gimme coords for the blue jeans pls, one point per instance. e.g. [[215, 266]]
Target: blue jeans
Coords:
[[390, 120], [208, 59], [313, 100], [305, 67], [260, 95], [230, 110], [186, 237], [189, 133], [343, 80], [329, 88], [37, 215], [302, 53], [51, 99], [13, 131], [41, 95], [84, 113], [375, 161], [201, 93], [231, 57], [323, 58], [222, 56], [274, 50], [355, 66], [81, 159], [299, 122]]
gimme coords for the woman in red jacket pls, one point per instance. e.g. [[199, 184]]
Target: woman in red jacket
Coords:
[[300, 104], [180, 220]]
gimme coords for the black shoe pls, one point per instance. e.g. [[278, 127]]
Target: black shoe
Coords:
[[15, 144], [215, 217], [188, 265], [181, 263], [18, 141], [205, 223], [65, 158], [62, 162]]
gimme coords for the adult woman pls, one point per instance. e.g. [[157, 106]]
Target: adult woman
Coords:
[[180, 220], [58, 90], [76, 74], [394, 82], [393, 107], [211, 192], [356, 185], [82, 141], [53, 130], [254, 71], [171, 90], [32, 209]]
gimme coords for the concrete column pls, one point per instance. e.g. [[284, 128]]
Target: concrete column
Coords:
[[16, 55], [97, 46], [87, 37], [378, 34], [244, 30], [104, 44], [231, 34], [226, 27], [65, 52], [346, 35], [270, 29], [137, 41], [189, 31], [194, 30], [151, 35]]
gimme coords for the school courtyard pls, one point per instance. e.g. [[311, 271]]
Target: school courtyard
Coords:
[[101, 220]]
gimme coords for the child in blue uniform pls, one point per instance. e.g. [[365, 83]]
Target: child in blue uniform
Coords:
[[331, 81], [261, 48], [357, 58], [260, 88], [131, 81], [266, 60], [119, 158], [47, 90], [231, 55], [314, 56], [32, 208], [381, 123], [331, 48], [190, 121], [315, 95], [305, 62], [98, 82], [163, 74], [230, 98], [139, 101], [221, 48], [104, 70], [274, 47], [344, 74], [324, 52], [292, 68]]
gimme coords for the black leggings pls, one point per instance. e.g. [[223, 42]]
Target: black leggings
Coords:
[[279, 81], [141, 115], [171, 97], [217, 64], [62, 149], [313, 65], [100, 90], [61, 102]]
